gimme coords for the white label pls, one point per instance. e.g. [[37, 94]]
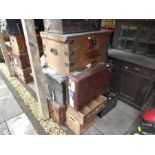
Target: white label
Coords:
[[15, 61], [71, 101], [72, 85]]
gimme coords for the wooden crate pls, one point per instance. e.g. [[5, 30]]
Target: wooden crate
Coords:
[[57, 112], [88, 111], [22, 60], [24, 74], [19, 44], [74, 125]]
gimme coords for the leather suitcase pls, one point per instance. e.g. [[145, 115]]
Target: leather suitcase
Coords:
[[21, 60], [83, 87], [66, 26], [68, 53], [56, 85]]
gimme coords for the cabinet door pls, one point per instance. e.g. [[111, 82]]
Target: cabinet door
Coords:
[[116, 80], [134, 88]]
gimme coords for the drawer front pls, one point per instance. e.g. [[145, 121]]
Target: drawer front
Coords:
[[140, 70]]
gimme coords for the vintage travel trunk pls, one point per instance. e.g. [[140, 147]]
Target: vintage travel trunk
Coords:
[[84, 86], [19, 45], [64, 26], [56, 85], [21, 60], [57, 112], [72, 52]]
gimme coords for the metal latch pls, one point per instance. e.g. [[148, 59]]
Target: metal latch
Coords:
[[68, 53], [69, 64]]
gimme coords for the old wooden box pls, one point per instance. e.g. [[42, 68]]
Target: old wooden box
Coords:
[[24, 74], [74, 125], [56, 85], [80, 121], [84, 86], [72, 52], [19, 45], [21, 60], [88, 111], [57, 112], [66, 26]]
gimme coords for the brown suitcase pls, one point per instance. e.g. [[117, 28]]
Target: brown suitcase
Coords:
[[66, 26], [84, 86], [72, 52], [21, 60]]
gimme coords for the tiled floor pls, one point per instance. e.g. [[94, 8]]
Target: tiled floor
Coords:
[[116, 122], [12, 119]]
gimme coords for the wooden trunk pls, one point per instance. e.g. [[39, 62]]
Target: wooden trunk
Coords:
[[88, 111], [56, 85], [75, 125], [24, 74], [19, 44], [67, 53], [83, 87], [66, 26], [57, 112], [22, 60]]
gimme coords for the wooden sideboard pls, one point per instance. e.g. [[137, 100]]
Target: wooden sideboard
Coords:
[[133, 76]]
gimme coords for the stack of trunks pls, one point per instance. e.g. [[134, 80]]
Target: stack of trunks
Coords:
[[19, 50], [76, 75]]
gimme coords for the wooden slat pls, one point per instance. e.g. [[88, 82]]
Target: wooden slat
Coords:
[[33, 52], [5, 55]]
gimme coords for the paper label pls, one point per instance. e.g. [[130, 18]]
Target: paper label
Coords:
[[72, 85], [71, 101]]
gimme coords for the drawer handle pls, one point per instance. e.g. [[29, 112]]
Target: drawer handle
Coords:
[[93, 42], [137, 69], [54, 51]]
